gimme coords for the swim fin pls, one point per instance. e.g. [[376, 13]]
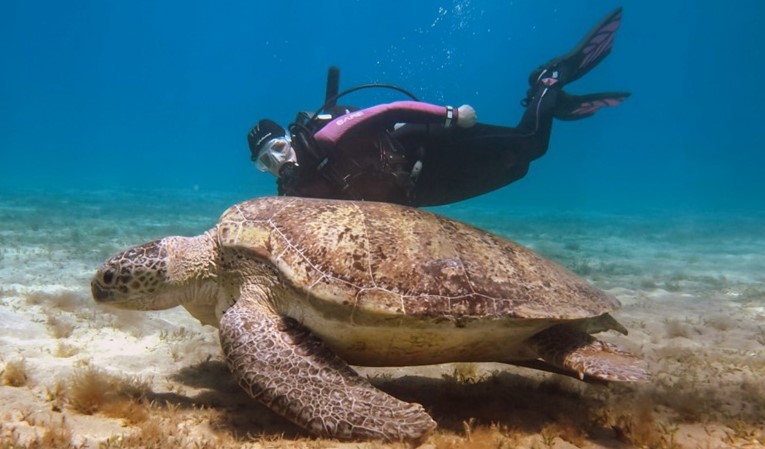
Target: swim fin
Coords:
[[575, 107], [592, 49]]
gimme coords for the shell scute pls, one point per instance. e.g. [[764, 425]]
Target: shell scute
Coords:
[[388, 259]]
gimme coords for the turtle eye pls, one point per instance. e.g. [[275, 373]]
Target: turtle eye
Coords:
[[109, 276]]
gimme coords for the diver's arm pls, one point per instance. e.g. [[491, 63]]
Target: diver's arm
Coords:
[[385, 116]]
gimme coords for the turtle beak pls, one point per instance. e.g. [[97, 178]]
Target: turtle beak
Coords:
[[99, 294]]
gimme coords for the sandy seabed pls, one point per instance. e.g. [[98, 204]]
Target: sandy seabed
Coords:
[[77, 375]]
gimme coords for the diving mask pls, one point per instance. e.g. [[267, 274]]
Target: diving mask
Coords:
[[275, 153]]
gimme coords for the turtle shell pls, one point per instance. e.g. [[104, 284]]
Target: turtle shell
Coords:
[[386, 259]]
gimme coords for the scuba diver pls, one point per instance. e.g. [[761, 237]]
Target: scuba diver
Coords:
[[420, 154]]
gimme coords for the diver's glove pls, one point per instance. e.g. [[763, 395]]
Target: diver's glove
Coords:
[[466, 116]]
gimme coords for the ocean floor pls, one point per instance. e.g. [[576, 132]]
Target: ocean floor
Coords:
[[78, 375]]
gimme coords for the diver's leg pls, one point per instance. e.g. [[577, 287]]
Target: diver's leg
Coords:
[[532, 135], [461, 163], [545, 99]]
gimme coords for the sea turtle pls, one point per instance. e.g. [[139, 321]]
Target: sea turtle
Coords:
[[300, 288]]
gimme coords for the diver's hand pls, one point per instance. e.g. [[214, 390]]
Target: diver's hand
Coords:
[[466, 116]]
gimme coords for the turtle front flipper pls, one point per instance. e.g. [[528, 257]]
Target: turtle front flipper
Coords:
[[571, 351], [283, 365]]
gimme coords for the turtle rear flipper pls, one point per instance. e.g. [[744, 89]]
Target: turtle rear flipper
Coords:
[[571, 351], [283, 365]]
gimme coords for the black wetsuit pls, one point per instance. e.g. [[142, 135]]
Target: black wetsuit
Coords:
[[457, 163], [461, 163]]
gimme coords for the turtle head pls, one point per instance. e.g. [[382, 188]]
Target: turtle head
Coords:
[[155, 275]]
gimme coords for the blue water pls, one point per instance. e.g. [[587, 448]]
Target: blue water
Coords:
[[130, 119], [160, 95], [125, 121]]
